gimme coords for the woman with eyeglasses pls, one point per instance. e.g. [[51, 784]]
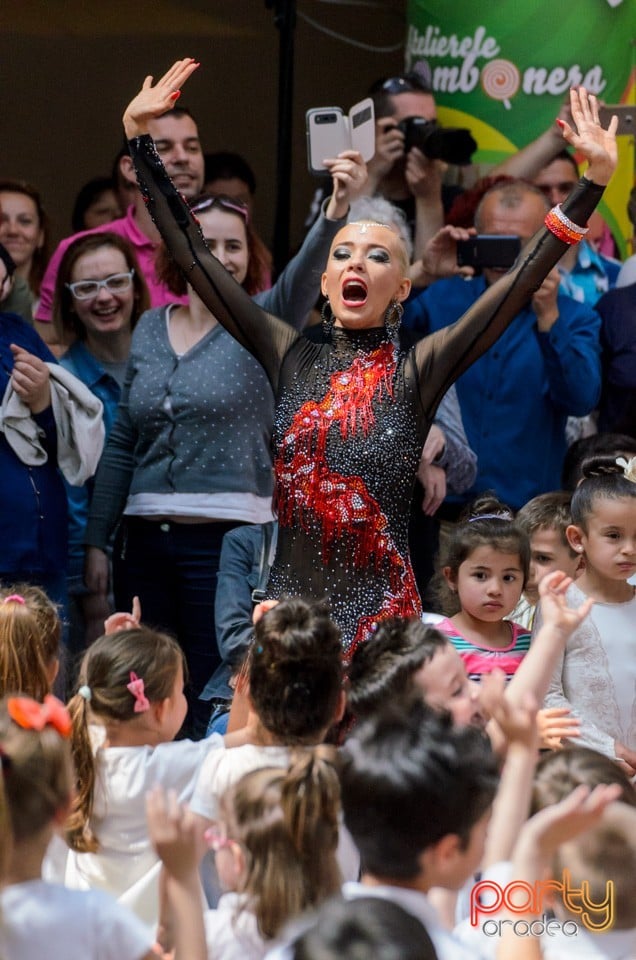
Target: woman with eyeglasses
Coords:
[[353, 410], [189, 456], [99, 296]]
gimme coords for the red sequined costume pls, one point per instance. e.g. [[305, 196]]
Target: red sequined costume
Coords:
[[352, 414]]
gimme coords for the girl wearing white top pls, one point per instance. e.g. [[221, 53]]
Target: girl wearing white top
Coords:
[[596, 676], [45, 919], [131, 684], [275, 848]]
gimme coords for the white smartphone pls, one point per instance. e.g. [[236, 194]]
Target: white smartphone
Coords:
[[329, 132]]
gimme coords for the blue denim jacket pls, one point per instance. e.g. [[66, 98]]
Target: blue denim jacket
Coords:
[[80, 362]]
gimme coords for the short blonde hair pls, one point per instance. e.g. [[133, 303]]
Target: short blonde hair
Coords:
[[606, 852]]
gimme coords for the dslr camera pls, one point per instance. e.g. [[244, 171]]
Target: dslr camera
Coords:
[[451, 144]]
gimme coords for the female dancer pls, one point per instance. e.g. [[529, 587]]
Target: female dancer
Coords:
[[353, 410]]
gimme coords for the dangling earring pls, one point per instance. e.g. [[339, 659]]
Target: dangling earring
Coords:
[[327, 317], [393, 319]]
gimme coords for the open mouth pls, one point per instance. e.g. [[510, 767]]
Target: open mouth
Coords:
[[354, 293]]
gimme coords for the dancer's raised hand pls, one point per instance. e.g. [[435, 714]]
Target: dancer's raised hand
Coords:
[[154, 100], [588, 137]]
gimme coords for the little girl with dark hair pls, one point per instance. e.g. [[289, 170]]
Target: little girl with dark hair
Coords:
[[484, 567], [295, 692], [596, 676]]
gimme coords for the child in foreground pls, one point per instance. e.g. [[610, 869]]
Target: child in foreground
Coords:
[[30, 634], [591, 836], [596, 676], [275, 848], [128, 708], [295, 677], [43, 919]]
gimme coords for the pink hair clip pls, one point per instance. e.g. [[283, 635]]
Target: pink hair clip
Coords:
[[136, 687], [14, 598]]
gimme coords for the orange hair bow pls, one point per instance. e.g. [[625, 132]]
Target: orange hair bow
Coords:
[[31, 715]]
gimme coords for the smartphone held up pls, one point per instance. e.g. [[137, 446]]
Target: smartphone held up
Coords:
[[488, 250], [329, 132]]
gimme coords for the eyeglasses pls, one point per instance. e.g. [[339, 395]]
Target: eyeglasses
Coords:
[[88, 289], [225, 203], [216, 839]]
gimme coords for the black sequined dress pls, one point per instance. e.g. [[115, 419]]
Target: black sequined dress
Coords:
[[352, 414]]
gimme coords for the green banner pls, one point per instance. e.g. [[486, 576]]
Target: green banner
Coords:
[[504, 69]]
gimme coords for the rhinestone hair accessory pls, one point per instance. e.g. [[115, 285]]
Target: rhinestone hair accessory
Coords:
[[507, 517], [629, 468], [363, 225], [14, 598], [136, 687]]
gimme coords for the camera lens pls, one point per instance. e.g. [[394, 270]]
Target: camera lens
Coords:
[[326, 118]]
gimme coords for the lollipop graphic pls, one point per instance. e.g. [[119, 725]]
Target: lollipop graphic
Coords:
[[500, 80]]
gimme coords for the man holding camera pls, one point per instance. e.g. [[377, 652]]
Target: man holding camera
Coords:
[[411, 153], [515, 400]]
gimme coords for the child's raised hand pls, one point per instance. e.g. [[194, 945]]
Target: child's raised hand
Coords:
[[560, 822], [516, 722], [555, 724], [262, 608], [152, 101], [173, 833], [124, 621], [554, 609]]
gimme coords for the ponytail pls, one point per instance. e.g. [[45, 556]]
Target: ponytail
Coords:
[[288, 823], [79, 834], [310, 800], [105, 695]]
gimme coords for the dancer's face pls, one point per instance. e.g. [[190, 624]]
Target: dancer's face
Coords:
[[365, 273]]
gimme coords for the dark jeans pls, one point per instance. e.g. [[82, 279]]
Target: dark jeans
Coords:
[[172, 568]]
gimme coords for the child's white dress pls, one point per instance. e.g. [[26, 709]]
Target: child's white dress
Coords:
[[126, 864], [231, 933], [596, 677], [222, 770], [45, 921]]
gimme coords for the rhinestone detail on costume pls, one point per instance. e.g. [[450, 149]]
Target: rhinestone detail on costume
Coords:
[[309, 489]]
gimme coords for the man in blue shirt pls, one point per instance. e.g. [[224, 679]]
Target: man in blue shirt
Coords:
[[515, 400]]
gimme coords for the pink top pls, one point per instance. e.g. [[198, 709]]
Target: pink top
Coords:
[[483, 659], [144, 247]]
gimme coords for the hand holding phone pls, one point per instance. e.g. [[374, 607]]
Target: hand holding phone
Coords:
[[488, 250], [330, 132]]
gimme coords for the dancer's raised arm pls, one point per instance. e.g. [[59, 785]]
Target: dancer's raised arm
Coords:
[[264, 335], [445, 355]]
